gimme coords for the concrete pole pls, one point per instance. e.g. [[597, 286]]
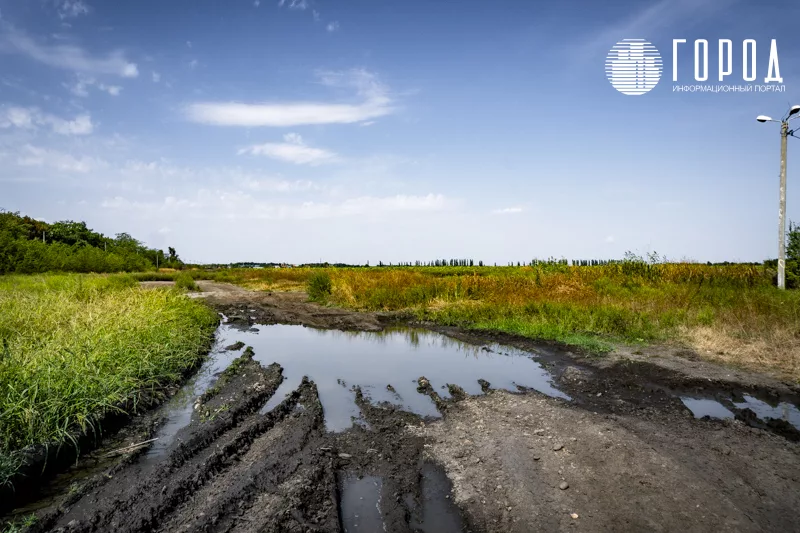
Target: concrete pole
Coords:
[[782, 210]]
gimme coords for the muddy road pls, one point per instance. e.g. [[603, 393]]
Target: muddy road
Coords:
[[571, 443]]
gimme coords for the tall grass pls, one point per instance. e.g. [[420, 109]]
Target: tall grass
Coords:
[[729, 313], [77, 347]]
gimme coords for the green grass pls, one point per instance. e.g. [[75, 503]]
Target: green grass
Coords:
[[77, 347]]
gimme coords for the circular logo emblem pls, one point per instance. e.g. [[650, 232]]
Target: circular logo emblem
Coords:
[[633, 66]]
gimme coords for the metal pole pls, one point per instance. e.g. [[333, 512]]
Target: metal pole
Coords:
[[782, 210]]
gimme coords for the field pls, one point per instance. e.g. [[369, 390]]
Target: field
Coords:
[[76, 347], [730, 314]]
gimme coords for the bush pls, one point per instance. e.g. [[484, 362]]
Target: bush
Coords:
[[186, 281], [319, 286]]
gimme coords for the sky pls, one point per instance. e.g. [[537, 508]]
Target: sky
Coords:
[[396, 130]]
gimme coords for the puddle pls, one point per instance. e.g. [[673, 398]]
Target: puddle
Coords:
[[782, 411], [337, 360], [360, 505], [701, 407], [439, 513], [178, 410]]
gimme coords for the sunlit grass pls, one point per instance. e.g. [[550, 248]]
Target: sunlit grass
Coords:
[[728, 313], [77, 347]]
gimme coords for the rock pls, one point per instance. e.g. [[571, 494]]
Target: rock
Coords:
[[574, 516], [536, 457], [564, 485], [73, 523], [485, 385], [345, 456], [557, 447], [538, 431]]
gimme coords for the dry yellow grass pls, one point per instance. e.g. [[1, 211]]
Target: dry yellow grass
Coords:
[[775, 351]]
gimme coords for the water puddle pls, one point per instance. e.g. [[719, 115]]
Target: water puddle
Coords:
[[360, 504], [178, 410], [337, 360], [782, 411], [701, 407], [439, 513], [729, 406]]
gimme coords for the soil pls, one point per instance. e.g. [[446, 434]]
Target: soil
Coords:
[[624, 455]]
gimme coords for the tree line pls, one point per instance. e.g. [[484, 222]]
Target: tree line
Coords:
[[29, 246]]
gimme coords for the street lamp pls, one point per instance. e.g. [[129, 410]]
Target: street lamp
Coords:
[[785, 132]]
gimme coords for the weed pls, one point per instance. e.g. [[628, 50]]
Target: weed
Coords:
[[185, 281], [319, 286]]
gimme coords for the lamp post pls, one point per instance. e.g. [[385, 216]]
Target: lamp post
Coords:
[[785, 132]]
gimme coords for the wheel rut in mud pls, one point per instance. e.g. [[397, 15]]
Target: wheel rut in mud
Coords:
[[234, 469]]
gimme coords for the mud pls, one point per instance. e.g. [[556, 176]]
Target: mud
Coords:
[[619, 450]]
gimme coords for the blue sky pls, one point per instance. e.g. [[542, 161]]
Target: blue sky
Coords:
[[367, 130]]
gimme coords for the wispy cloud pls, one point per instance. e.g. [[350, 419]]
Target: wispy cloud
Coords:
[[32, 118], [34, 156], [375, 103], [650, 22], [239, 205], [193, 64], [293, 150], [81, 87], [67, 56], [294, 4], [332, 26], [71, 8], [156, 77], [507, 211]]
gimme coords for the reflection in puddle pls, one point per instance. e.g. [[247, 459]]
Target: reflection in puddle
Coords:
[[701, 407], [336, 361], [783, 411], [360, 505], [178, 410], [439, 513]]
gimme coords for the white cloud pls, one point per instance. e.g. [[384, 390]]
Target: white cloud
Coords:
[[71, 8], [508, 211], [316, 15], [68, 56], [193, 63], [156, 77], [189, 44], [332, 26], [294, 4], [238, 205], [31, 118], [33, 156], [293, 150], [375, 103], [256, 3], [82, 84], [113, 90]]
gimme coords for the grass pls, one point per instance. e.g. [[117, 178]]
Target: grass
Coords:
[[77, 347], [731, 313]]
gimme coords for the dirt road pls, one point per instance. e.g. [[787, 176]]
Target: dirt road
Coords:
[[624, 454]]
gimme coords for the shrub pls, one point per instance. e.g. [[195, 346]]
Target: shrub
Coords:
[[186, 281], [319, 286]]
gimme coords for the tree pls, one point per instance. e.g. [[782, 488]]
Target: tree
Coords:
[[793, 242]]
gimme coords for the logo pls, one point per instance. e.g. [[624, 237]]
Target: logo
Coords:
[[633, 66]]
